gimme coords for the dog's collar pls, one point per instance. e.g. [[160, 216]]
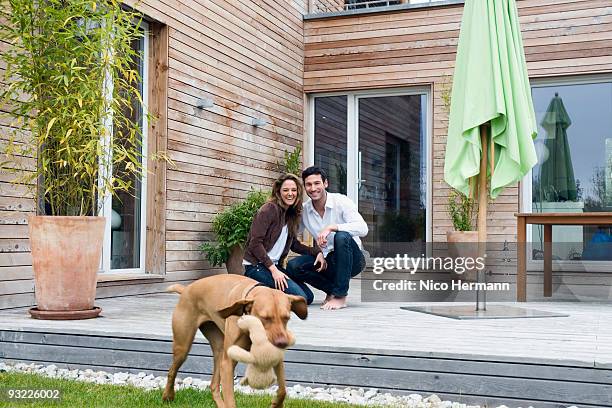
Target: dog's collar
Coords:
[[249, 291], [251, 288]]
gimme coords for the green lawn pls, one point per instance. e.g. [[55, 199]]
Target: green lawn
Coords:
[[82, 394]]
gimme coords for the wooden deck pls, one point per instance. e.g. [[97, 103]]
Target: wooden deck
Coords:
[[543, 362]]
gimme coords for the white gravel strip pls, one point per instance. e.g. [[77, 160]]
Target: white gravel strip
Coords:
[[359, 396]]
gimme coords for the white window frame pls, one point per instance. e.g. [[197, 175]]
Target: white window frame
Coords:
[[526, 188], [106, 210], [352, 145]]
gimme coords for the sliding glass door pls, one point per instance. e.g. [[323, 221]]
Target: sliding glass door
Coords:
[[374, 147], [391, 163]]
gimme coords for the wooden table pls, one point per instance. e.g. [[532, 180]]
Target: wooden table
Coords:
[[547, 220]]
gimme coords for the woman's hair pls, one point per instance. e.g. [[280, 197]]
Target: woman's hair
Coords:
[[293, 213]]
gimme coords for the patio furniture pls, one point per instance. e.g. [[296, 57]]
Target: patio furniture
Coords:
[[547, 220]]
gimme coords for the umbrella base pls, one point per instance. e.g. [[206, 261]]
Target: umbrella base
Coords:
[[469, 312]]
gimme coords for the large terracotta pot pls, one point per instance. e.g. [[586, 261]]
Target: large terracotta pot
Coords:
[[66, 254], [464, 244], [234, 262]]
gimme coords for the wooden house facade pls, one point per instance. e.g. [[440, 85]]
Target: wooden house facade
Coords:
[[365, 91], [247, 58]]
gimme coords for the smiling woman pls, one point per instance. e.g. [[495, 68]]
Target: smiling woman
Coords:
[[273, 233]]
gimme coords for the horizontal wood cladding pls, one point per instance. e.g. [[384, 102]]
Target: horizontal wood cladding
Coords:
[[417, 47], [16, 205], [248, 58]]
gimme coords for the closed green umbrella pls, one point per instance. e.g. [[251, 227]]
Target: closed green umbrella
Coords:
[[490, 86], [557, 182]]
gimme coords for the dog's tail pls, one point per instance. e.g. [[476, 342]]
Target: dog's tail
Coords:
[[175, 288]]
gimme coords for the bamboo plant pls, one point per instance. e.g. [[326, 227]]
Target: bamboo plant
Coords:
[[70, 90]]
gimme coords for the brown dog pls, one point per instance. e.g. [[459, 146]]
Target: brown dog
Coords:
[[213, 305]]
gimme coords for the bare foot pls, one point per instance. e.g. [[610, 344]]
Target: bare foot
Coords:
[[335, 303], [327, 299]]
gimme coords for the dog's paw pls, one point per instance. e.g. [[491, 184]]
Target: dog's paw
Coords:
[[168, 396], [276, 404]]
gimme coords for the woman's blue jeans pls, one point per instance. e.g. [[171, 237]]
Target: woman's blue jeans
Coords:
[[261, 274]]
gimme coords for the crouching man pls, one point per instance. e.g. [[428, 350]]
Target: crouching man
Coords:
[[336, 225]]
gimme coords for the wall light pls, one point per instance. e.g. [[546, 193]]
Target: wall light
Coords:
[[258, 122], [204, 103]]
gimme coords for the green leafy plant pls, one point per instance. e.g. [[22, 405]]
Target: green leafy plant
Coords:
[[231, 227], [291, 162], [461, 209], [71, 91]]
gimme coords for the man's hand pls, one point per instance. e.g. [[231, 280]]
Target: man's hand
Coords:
[[321, 261], [280, 279], [322, 237]]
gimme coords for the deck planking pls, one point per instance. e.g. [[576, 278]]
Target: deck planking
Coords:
[[548, 362]]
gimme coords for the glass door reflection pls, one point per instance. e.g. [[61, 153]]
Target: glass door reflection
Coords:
[[330, 140], [391, 170]]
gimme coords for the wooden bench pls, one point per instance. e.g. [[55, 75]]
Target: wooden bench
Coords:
[[547, 220]]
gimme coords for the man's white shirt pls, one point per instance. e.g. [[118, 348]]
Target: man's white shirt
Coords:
[[339, 210]]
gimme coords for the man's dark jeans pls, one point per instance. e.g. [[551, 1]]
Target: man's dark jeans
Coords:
[[344, 262], [263, 275]]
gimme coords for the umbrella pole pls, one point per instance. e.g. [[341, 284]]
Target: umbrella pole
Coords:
[[482, 206]]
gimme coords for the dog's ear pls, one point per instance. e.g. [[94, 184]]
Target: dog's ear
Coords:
[[237, 309], [299, 306]]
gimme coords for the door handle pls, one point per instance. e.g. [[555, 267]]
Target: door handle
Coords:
[[360, 181]]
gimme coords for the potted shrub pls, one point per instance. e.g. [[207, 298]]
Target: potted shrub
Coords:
[[463, 241], [231, 228], [70, 92]]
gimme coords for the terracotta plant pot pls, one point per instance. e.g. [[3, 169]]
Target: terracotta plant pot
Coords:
[[234, 262], [463, 244], [66, 254]]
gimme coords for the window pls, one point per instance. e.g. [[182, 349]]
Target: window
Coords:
[[574, 170], [125, 233], [365, 4], [362, 4], [341, 6]]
